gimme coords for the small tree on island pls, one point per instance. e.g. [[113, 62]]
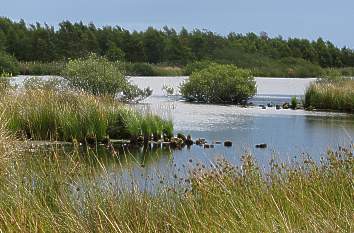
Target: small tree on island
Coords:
[[98, 76], [219, 84]]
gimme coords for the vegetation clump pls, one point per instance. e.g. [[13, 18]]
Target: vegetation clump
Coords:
[[219, 84], [8, 64], [293, 102], [197, 66], [98, 76], [47, 111], [331, 93], [42, 68]]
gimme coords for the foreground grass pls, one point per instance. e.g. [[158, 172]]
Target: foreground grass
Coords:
[[337, 95], [47, 114], [54, 193]]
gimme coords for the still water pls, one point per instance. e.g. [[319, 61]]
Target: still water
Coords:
[[289, 134]]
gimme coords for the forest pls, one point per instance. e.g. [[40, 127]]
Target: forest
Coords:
[[166, 46]]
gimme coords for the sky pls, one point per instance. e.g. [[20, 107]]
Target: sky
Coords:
[[330, 19]]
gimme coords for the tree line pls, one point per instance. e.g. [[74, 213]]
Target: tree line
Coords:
[[37, 42]]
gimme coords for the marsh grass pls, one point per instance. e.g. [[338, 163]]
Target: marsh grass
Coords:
[[42, 68], [327, 95], [54, 193], [47, 114]]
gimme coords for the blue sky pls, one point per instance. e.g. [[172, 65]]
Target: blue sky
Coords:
[[330, 19]]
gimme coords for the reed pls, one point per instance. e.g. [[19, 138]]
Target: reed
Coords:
[[42, 68], [45, 114], [51, 192], [337, 95]]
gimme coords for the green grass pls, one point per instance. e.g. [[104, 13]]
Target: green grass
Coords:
[[45, 114], [337, 95], [52, 192]]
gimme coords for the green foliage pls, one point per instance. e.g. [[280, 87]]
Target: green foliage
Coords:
[[331, 95], [98, 76], [219, 84], [196, 66], [8, 64], [293, 102], [269, 56], [115, 54]]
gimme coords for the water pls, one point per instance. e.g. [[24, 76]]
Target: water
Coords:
[[288, 133]]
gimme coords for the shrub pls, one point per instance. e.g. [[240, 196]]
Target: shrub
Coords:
[[8, 64], [293, 102], [98, 76], [196, 66], [219, 84]]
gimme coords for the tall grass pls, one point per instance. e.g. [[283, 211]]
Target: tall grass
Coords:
[[42, 68], [45, 114], [53, 193], [338, 95]]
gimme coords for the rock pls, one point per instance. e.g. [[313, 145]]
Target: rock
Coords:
[[181, 136], [286, 105], [277, 107], [228, 143], [200, 141], [189, 141], [176, 142], [262, 146]]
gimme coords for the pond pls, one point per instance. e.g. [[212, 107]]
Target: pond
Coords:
[[289, 134]]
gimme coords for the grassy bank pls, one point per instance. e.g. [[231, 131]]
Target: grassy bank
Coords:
[[260, 68], [47, 114], [42, 68], [53, 193], [130, 69], [338, 95]]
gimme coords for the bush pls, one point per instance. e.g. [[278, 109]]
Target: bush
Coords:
[[98, 76], [219, 84], [196, 66], [8, 64]]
